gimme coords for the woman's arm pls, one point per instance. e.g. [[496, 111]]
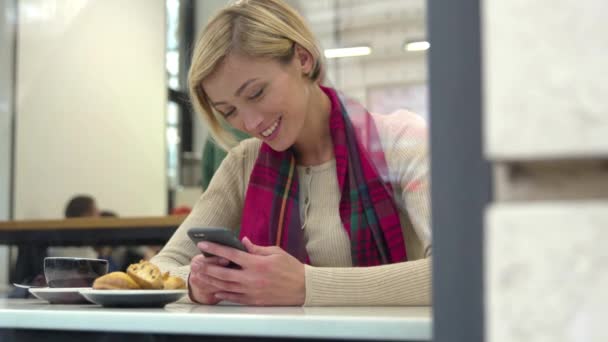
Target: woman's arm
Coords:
[[406, 150], [220, 205], [405, 283], [270, 276]]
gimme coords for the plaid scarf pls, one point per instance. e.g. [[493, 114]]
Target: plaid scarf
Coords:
[[271, 213]]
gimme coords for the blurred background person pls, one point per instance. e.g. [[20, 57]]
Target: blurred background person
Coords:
[[81, 206], [78, 206]]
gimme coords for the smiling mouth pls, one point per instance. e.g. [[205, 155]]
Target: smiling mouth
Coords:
[[268, 132]]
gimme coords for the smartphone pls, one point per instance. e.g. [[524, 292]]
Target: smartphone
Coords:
[[219, 235]]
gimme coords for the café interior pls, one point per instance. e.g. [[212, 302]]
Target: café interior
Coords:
[[103, 157]]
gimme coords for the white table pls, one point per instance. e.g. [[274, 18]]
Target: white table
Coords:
[[351, 323]]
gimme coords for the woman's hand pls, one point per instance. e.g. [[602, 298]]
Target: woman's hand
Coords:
[[268, 276], [200, 289]]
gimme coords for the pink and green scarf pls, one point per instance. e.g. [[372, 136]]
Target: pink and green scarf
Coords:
[[271, 212]]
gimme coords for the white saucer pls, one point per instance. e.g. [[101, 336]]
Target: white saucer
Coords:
[[61, 295], [133, 298]]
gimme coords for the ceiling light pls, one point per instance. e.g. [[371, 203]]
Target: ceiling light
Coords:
[[348, 52], [421, 45]]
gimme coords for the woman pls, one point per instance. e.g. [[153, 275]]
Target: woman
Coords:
[[315, 191]]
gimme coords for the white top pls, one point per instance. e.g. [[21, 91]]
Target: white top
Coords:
[[350, 323]]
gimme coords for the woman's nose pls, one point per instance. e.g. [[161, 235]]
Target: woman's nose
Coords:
[[252, 121]]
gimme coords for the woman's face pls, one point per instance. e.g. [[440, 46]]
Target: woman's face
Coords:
[[263, 97]]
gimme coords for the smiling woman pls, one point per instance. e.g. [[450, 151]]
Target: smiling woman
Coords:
[[332, 201], [272, 101], [232, 41]]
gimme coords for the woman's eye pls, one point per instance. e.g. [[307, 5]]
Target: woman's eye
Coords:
[[227, 114], [256, 95]]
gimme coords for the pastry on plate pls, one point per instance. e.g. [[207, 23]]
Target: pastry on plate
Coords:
[[173, 283], [146, 274], [115, 281]]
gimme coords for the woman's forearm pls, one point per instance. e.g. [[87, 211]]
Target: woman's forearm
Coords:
[[406, 283]]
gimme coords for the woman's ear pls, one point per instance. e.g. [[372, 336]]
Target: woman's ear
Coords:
[[304, 59]]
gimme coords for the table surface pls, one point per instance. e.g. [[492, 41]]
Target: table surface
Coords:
[[93, 223], [90, 231], [384, 323]]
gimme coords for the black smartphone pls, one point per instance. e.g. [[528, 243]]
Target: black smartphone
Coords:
[[219, 235]]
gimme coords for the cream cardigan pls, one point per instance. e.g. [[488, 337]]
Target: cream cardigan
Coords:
[[331, 279]]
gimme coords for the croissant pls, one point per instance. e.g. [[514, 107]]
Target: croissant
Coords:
[[146, 274], [114, 281], [174, 283]]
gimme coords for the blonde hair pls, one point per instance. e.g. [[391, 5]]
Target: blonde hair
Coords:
[[254, 28]]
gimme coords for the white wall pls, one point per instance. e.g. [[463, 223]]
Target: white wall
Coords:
[[91, 104], [549, 83], [546, 271], [545, 129], [6, 93]]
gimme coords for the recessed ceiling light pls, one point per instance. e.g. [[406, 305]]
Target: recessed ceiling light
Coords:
[[420, 45], [348, 52]]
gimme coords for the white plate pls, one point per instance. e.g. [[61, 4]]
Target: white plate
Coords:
[[133, 298], [60, 295]]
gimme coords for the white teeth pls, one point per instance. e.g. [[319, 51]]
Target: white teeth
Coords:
[[271, 129]]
